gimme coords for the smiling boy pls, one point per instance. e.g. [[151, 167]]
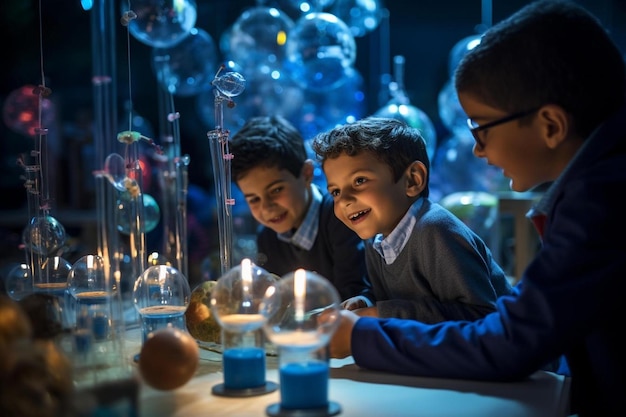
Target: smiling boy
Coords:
[[298, 227], [422, 261]]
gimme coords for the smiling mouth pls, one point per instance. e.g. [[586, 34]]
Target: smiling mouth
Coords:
[[278, 219], [359, 214]]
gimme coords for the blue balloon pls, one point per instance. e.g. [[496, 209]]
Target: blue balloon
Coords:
[[161, 23], [187, 68]]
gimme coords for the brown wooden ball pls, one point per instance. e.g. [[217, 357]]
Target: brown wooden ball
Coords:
[[168, 359]]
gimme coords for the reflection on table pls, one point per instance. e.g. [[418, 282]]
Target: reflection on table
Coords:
[[363, 393]]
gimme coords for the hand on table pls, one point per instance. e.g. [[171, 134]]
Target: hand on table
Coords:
[[341, 343]]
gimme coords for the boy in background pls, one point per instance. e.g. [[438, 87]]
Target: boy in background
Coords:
[[423, 262], [297, 226]]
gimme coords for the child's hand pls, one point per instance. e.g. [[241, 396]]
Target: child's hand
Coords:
[[367, 312], [354, 303], [341, 345]]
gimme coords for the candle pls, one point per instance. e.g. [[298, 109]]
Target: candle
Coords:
[[304, 385], [244, 367], [299, 293]]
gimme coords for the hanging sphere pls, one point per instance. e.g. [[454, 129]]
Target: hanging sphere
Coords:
[[459, 50], [188, 67], [450, 111], [21, 111], [115, 171], [320, 51], [324, 111], [413, 117], [361, 16], [44, 235], [257, 39], [455, 168], [151, 213], [477, 209], [161, 23], [18, 282]]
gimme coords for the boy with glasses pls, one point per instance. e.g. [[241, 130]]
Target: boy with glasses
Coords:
[[545, 90]]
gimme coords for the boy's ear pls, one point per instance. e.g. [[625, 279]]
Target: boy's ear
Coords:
[[557, 125], [416, 177], [307, 171]]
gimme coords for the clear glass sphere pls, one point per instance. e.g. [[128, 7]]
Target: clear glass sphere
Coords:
[[187, 68], [151, 213], [257, 39], [459, 50], [413, 117], [361, 16], [161, 23], [162, 289], [44, 235], [87, 281], [302, 312], [18, 282], [320, 51], [236, 298]]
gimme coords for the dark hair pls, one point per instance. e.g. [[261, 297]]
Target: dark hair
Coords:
[[392, 141], [269, 141], [549, 52]]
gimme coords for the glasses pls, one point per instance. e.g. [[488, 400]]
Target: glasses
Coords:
[[476, 128]]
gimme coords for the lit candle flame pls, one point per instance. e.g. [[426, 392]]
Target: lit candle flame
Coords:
[[299, 292], [246, 278]]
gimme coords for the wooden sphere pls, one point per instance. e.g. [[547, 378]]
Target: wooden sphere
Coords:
[[168, 359]]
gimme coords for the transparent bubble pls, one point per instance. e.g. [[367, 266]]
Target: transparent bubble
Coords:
[[450, 111], [44, 235], [258, 38], [320, 51], [414, 117], [20, 111], [477, 209], [455, 168], [324, 111], [52, 280], [294, 309], [18, 282], [188, 67], [151, 213], [230, 84], [236, 298], [459, 50], [87, 280], [161, 296], [161, 23], [361, 16], [115, 171]]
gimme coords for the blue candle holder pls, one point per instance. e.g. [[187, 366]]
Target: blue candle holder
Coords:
[[235, 302], [303, 314]]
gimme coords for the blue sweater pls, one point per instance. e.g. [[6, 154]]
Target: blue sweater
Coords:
[[338, 254], [569, 301]]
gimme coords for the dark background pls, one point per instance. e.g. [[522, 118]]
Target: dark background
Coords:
[[423, 31]]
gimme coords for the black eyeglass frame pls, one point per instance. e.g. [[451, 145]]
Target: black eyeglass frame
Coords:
[[474, 128]]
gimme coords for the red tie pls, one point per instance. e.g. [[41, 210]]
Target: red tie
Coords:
[[539, 220]]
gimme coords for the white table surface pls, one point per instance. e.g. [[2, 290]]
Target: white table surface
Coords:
[[362, 393]]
